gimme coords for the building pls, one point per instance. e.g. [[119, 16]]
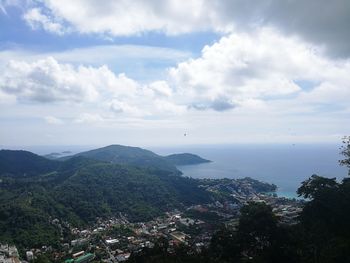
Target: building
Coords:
[[78, 254], [111, 241], [82, 259], [29, 255], [86, 258]]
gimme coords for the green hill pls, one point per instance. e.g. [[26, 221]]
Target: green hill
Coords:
[[185, 159], [23, 163], [79, 190], [135, 156]]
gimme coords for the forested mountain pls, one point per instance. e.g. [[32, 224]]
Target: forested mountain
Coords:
[[35, 190], [135, 156], [23, 163]]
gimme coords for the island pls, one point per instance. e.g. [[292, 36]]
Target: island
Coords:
[[185, 159]]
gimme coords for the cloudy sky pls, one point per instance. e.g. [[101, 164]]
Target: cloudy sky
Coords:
[[140, 72]]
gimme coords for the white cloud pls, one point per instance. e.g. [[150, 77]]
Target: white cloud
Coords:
[[35, 18], [48, 81], [161, 88], [240, 70], [127, 18], [122, 17], [241, 83], [237, 70], [264, 65]]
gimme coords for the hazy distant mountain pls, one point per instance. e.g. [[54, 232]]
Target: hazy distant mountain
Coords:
[[185, 159]]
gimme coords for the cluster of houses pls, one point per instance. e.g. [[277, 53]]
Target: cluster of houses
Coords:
[[116, 239], [8, 254], [117, 247]]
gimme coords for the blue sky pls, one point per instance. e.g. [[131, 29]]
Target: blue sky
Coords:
[[16, 33], [144, 73]]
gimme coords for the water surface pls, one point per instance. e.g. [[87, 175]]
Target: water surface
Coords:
[[284, 165]]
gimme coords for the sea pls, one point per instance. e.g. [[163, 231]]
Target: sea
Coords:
[[286, 165]]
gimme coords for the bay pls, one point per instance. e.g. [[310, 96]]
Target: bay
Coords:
[[286, 165]]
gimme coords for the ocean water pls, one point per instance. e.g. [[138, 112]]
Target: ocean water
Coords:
[[284, 165]]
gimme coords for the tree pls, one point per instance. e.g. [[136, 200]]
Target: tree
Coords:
[[325, 220], [224, 246], [315, 186], [257, 229]]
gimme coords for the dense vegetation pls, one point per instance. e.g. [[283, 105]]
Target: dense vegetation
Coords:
[[134, 156], [35, 190], [23, 163]]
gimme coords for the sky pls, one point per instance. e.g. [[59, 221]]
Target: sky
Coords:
[[170, 72]]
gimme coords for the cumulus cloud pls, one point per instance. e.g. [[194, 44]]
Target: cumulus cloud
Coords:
[[240, 67], [127, 18], [259, 80], [241, 70], [260, 66], [319, 21], [48, 81]]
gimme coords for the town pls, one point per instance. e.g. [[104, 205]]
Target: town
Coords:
[[116, 239]]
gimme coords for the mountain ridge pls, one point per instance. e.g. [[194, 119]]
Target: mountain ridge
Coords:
[[137, 156]]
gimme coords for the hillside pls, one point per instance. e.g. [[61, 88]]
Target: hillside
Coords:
[[135, 156], [24, 163], [80, 189], [185, 159]]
